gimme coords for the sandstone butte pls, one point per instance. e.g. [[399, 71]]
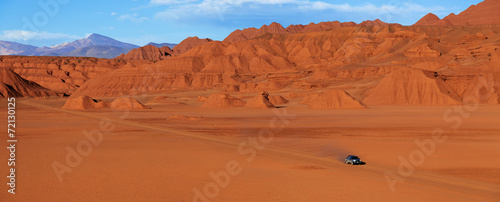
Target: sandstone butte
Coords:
[[378, 63]]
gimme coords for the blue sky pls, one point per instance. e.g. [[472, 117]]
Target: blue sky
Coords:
[[51, 22]]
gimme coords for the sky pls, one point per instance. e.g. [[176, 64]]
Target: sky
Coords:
[[51, 22]]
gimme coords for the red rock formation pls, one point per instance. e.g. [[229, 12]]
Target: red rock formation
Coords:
[[376, 22], [260, 101], [276, 28], [148, 52], [60, 74], [338, 58], [406, 86], [380, 64], [13, 85], [429, 19], [188, 44], [422, 51], [484, 13]]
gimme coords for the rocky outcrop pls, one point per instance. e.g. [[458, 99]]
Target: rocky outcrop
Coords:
[[188, 44], [407, 86], [148, 52], [260, 101], [13, 85]]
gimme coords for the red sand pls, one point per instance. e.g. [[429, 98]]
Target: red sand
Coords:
[[152, 155], [222, 100], [84, 103]]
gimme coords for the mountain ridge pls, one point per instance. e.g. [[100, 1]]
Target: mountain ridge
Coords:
[[483, 13], [94, 45]]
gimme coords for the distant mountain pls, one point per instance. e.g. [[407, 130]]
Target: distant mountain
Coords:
[[98, 51], [159, 45], [13, 48], [484, 13], [95, 45], [92, 40], [156, 52]]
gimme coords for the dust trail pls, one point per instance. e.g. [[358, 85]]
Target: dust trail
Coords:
[[335, 151]]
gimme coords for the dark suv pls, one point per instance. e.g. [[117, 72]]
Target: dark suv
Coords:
[[351, 159]]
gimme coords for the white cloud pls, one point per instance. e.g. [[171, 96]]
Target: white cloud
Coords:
[[22, 35], [368, 8], [132, 17], [181, 8], [171, 2], [113, 13], [186, 8]]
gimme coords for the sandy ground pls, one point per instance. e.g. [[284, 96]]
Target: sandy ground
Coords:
[[149, 157]]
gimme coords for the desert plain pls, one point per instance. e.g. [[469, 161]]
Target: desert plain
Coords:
[[166, 152]]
